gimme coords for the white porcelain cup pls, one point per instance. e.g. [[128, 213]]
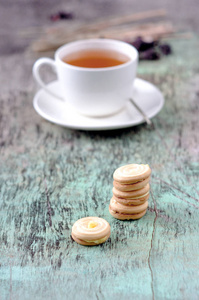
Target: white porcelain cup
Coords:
[[94, 92]]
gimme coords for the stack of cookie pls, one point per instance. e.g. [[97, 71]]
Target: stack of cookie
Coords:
[[130, 192]]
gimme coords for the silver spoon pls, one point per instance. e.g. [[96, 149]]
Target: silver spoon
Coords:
[[147, 120]]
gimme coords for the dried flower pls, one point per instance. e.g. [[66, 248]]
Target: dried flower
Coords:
[[142, 45], [62, 15], [150, 50], [165, 49], [150, 54]]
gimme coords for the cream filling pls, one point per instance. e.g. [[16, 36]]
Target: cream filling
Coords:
[[131, 194], [131, 185], [92, 224], [138, 197], [98, 241], [124, 209]]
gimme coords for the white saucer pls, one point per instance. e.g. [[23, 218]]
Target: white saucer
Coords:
[[145, 94]]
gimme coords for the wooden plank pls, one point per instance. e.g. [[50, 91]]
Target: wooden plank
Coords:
[[51, 176]]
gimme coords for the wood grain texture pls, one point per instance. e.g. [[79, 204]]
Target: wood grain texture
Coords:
[[52, 176]]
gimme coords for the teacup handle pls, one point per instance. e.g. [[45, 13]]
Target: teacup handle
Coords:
[[36, 73]]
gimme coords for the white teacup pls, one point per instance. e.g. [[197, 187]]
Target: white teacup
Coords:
[[94, 92]]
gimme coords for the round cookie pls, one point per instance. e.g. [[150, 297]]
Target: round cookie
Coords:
[[131, 187], [127, 209], [131, 173], [138, 201], [91, 231], [120, 216], [132, 194]]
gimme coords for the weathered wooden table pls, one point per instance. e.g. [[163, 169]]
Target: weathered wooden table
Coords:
[[51, 176]]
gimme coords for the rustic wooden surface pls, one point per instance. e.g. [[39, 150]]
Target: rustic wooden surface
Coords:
[[51, 176]]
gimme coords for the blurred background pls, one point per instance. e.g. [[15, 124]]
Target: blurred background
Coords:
[[18, 18]]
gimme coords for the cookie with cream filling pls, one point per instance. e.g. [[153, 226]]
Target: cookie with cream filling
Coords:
[[121, 216], [136, 201], [131, 194], [131, 186], [131, 173], [91, 231], [127, 209]]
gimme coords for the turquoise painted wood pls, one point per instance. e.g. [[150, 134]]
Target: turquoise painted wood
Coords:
[[52, 176]]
